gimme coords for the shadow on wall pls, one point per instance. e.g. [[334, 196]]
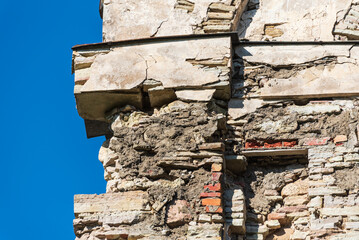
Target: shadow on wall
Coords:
[[238, 86], [247, 17]]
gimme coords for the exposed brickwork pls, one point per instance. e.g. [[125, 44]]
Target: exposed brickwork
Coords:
[[206, 139]]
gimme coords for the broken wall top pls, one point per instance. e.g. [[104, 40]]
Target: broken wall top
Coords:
[[256, 20], [135, 19], [270, 72], [151, 73], [306, 20]]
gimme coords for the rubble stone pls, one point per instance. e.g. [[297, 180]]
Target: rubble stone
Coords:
[[209, 136]]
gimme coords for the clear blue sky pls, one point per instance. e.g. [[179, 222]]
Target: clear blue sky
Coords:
[[45, 156]]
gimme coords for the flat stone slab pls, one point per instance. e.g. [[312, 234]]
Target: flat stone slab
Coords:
[[282, 55], [345, 211], [117, 74], [111, 202]]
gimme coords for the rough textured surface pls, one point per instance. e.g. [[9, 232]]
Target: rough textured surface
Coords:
[[123, 20], [289, 71], [170, 163], [210, 141], [155, 68], [290, 20]]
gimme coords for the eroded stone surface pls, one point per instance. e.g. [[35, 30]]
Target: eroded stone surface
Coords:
[[163, 169], [123, 20], [156, 68], [290, 71], [275, 158], [337, 80], [290, 20]]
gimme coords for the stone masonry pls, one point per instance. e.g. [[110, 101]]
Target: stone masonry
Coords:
[[224, 119]]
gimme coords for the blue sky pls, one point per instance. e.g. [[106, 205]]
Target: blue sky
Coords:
[[46, 158]]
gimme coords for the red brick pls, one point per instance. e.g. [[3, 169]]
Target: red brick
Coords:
[[214, 209], [216, 176], [253, 144], [211, 201], [216, 187], [316, 141], [216, 167], [272, 145], [210, 194], [276, 216], [289, 144]]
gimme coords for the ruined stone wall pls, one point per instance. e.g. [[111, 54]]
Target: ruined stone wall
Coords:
[[208, 137], [165, 169], [293, 137], [300, 193], [123, 20], [306, 20]]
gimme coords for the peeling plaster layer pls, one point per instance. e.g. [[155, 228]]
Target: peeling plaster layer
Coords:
[[123, 20], [288, 71], [125, 68], [291, 20], [291, 54], [338, 80], [172, 65]]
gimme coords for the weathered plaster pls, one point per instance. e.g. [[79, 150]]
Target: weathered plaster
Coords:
[[307, 20]]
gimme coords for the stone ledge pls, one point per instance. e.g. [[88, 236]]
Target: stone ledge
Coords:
[[103, 80], [111, 202]]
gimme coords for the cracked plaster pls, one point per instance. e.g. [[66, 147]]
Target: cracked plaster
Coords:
[[124, 20], [307, 20]]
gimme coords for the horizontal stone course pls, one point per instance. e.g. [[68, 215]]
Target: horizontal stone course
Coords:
[[345, 211], [111, 202]]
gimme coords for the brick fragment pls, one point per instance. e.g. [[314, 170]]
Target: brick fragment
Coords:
[[253, 144], [216, 176], [340, 139], [214, 209], [216, 167], [292, 209], [276, 216], [212, 146], [289, 144], [211, 201], [216, 187], [210, 194], [316, 141], [178, 213], [272, 145]]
